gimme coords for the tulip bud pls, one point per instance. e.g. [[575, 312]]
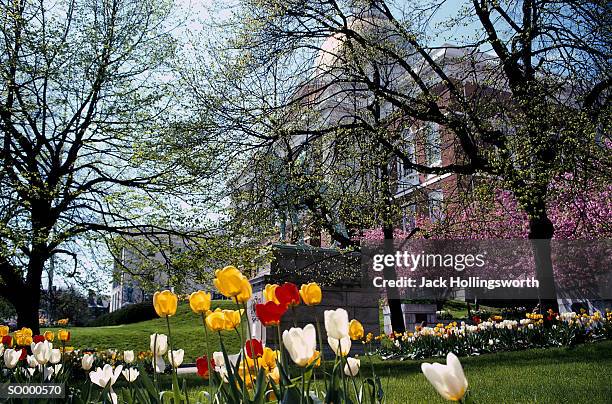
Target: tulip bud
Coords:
[[199, 302], [356, 330], [176, 357], [300, 343], [63, 335], [228, 281], [341, 347], [128, 356], [336, 323], [56, 356], [11, 357], [232, 318], [352, 367], [87, 361], [159, 344], [165, 303], [41, 351], [216, 320], [311, 294], [246, 291], [269, 293]]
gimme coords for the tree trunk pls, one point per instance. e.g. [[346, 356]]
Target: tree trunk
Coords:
[[26, 305], [395, 303], [541, 230]]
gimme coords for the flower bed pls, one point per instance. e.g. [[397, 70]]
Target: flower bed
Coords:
[[260, 374], [497, 334]]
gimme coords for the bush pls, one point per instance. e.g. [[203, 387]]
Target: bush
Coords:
[[133, 313]]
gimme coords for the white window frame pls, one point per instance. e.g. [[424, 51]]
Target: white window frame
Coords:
[[433, 135], [435, 197]]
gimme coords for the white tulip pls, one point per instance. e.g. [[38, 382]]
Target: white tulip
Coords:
[[337, 323], [32, 362], [130, 374], [449, 380], [218, 359], [340, 347], [105, 376], [128, 356], [161, 347], [159, 364], [300, 343], [352, 366], [42, 351], [87, 361], [175, 357], [1, 349], [56, 356], [11, 357]]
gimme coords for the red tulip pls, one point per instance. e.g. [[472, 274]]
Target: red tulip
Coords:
[[24, 354], [202, 366], [38, 338], [288, 294], [7, 341], [254, 348], [270, 313]]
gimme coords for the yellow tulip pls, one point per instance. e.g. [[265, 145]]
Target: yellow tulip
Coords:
[[245, 374], [246, 291], [311, 294], [199, 302], [4, 330], [216, 320], [316, 356], [228, 281], [268, 360], [355, 330], [274, 375], [270, 293], [165, 303], [49, 336], [232, 318], [63, 335], [23, 337]]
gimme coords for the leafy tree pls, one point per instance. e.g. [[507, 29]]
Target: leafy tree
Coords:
[[319, 94], [88, 146]]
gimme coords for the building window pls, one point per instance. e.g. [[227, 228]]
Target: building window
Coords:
[[433, 145], [435, 205], [408, 217], [406, 176]]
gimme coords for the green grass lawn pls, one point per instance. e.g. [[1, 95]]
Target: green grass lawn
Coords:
[[560, 375], [557, 375], [186, 327]]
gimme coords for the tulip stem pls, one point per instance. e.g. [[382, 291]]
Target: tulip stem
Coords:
[[303, 387], [210, 371], [170, 345], [240, 335], [155, 362], [254, 357], [281, 357], [321, 350]]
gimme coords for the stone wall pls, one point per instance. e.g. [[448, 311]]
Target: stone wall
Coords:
[[341, 281]]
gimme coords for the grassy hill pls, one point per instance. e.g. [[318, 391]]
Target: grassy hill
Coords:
[[187, 334]]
